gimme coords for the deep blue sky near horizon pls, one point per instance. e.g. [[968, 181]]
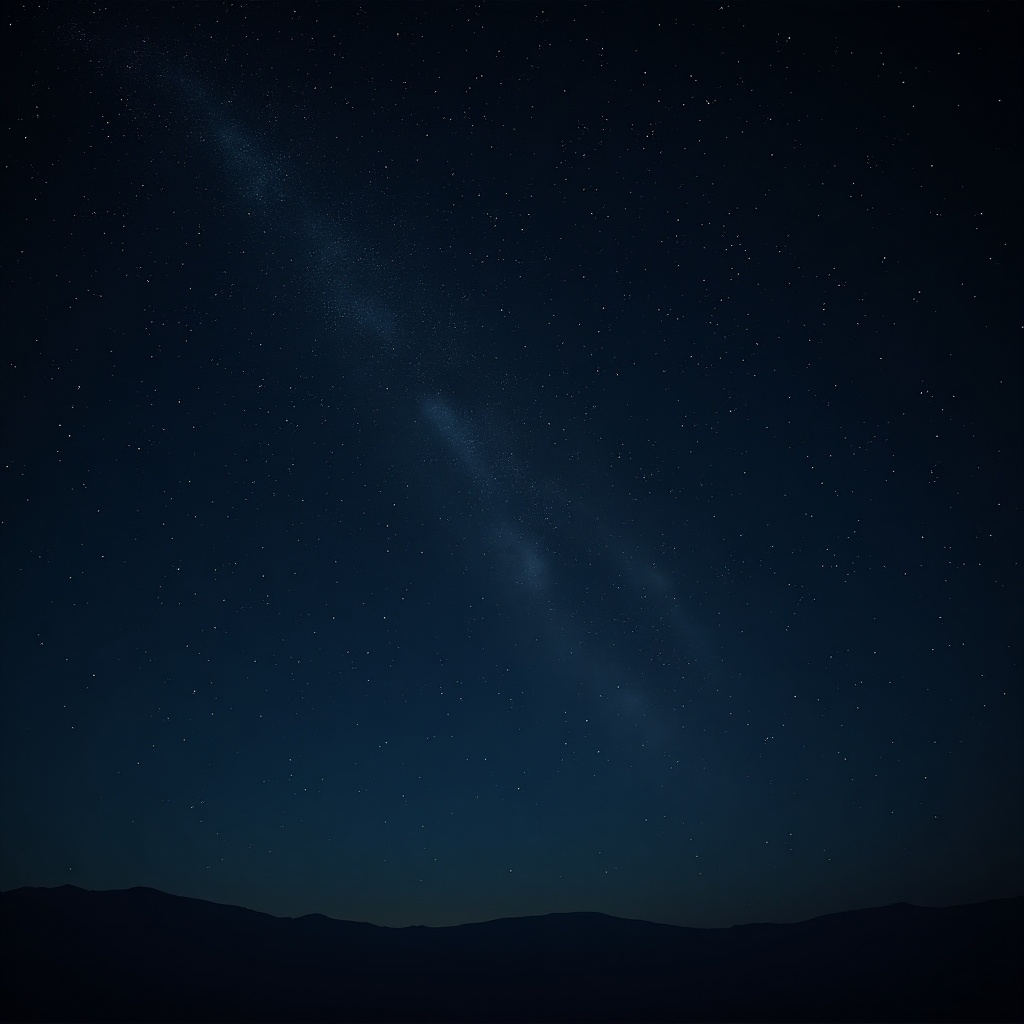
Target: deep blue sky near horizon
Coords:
[[474, 461]]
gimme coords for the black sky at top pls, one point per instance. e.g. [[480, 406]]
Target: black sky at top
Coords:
[[474, 461]]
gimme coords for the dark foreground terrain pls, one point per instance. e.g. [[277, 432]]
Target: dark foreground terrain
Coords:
[[142, 955]]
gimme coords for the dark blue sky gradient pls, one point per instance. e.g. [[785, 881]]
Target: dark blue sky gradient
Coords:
[[465, 462]]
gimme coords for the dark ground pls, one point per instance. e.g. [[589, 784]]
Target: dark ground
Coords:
[[140, 954]]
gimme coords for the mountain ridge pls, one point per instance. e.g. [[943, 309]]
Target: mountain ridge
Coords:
[[142, 954], [594, 914]]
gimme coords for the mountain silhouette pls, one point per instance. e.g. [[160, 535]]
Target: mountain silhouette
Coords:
[[143, 955]]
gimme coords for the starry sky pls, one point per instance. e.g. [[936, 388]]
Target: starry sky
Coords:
[[469, 461]]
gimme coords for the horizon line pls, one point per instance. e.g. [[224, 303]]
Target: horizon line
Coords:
[[520, 917]]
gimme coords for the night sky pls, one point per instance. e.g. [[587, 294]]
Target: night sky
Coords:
[[472, 461]]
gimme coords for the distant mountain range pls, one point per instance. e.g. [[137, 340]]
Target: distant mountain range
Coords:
[[143, 955]]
